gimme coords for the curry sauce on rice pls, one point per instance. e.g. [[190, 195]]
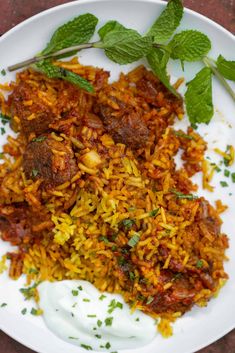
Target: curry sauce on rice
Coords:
[[90, 190]]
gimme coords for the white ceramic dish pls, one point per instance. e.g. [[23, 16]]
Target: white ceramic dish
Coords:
[[199, 327]]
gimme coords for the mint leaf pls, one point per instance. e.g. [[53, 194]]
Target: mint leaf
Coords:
[[157, 61], [198, 97], [125, 46], [226, 68], [75, 32], [166, 24], [189, 45], [108, 27], [53, 71]]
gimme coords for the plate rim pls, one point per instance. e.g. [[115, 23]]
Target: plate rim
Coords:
[[78, 3]]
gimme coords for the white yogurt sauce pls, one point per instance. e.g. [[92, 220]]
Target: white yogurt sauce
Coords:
[[78, 313]]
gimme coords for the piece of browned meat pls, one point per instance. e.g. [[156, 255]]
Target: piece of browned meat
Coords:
[[126, 127], [49, 159], [35, 115]]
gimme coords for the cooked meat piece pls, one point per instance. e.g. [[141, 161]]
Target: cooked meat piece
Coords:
[[35, 116], [49, 159], [128, 127]]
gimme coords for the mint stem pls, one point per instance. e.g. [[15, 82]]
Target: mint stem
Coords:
[[48, 56], [208, 62]]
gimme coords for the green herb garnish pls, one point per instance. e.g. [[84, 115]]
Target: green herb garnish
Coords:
[[80, 288], [39, 139], [150, 300], [233, 177], [35, 312], [104, 239], [180, 195], [86, 300], [182, 134], [91, 315], [98, 336], [85, 346], [29, 292], [223, 184], [132, 276], [108, 321], [34, 173], [114, 305], [102, 297], [226, 172], [99, 323], [73, 338], [199, 264], [24, 311], [108, 345], [74, 293], [128, 223], [154, 212], [3, 305], [3, 72], [134, 240]]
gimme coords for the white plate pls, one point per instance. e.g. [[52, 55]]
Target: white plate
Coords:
[[199, 327]]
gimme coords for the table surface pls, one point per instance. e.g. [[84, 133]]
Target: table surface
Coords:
[[15, 11]]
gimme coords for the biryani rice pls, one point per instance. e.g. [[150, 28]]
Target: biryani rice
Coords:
[[81, 228]]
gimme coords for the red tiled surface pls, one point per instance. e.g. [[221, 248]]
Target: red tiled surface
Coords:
[[15, 11]]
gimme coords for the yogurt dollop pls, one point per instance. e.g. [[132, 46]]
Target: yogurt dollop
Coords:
[[78, 313]]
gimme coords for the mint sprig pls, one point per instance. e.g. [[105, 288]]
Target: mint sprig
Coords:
[[125, 46], [198, 97], [226, 68], [189, 45], [166, 24], [75, 32]]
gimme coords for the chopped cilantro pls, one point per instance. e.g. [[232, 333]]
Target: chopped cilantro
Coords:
[[154, 212], [75, 293], [24, 311], [99, 323], [102, 297], [224, 184], [134, 240], [108, 321], [199, 264]]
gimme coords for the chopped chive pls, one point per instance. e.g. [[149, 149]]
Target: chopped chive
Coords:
[[99, 323], [1, 155], [85, 346], [73, 306], [154, 212], [233, 177], [35, 312], [3, 131], [217, 169], [102, 297], [94, 328], [73, 338], [91, 315], [128, 223], [223, 184], [182, 134], [180, 195], [3, 72], [130, 209], [108, 345], [104, 239], [113, 305], [33, 270], [80, 288], [114, 247], [3, 305], [134, 240], [226, 172], [137, 319], [121, 260], [98, 336], [39, 139], [86, 300], [34, 172], [72, 314], [132, 276], [108, 321], [74, 293], [150, 300], [24, 311]]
